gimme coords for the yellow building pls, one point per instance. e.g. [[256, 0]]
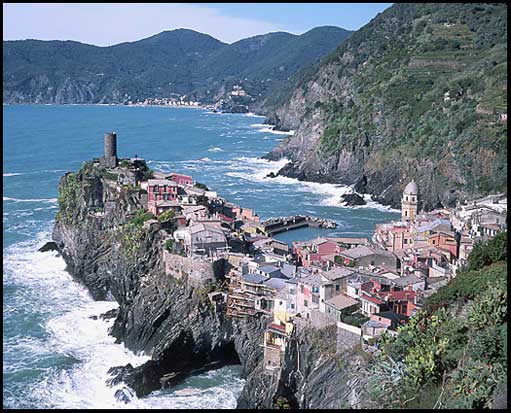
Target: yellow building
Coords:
[[410, 202]]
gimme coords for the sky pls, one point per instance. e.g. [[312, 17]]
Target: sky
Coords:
[[105, 24]]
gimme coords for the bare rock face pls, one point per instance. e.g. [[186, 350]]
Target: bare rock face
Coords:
[[316, 374], [49, 246]]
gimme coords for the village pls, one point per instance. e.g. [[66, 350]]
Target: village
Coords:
[[363, 286]]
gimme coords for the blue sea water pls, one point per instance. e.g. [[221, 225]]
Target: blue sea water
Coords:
[[54, 354]]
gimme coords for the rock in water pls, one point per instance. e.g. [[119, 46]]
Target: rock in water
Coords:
[[271, 175], [352, 199], [109, 314], [124, 395], [49, 246]]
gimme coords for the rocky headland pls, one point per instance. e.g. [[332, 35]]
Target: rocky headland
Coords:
[[173, 320]]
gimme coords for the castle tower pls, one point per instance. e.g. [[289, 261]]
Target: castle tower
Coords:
[[109, 158], [410, 202]]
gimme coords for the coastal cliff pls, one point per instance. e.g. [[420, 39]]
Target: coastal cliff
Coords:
[[418, 93], [172, 320]]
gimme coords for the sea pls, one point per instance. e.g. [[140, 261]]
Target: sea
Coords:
[[54, 354]]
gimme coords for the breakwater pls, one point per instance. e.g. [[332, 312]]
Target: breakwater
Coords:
[[274, 226]]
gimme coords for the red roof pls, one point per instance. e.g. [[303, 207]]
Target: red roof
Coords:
[[278, 327], [225, 218], [399, 295], [372, 299]]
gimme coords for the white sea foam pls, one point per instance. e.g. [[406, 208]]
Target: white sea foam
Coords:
[[74, 336], [45, 200], [257, 170], [253, 115], [33, 172], [215, 149], [265, 128]]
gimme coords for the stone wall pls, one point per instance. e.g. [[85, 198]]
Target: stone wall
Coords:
[[195, 271]]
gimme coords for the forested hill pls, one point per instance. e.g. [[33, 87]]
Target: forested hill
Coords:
[[179, 61], [419, 92]]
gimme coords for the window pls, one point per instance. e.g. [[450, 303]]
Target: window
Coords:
[[405, 241], [406, 213], [305, 303], [280, 302], [406, 198], [292, 306], [315, 289], [301, 288], [337, 287], [292, 291], [413, 198]]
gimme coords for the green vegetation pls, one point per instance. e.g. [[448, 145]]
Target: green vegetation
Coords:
[[169, 244], [169, 63], [486, 266], [133, 231], [131, 235], [450, 358], [166, 216], [140, 217], [355, 319], [383, 95], [282, 403], [108, 175], [68, 197]]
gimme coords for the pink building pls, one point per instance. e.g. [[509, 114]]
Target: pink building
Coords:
[[316, 251], [181, 179], [245, 214], [159, 191]]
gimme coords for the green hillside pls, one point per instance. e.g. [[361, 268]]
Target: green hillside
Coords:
[[180, 61], [419, 89], [453, 354]]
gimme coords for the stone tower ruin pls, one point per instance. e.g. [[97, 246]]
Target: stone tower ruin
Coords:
[[109, 158]]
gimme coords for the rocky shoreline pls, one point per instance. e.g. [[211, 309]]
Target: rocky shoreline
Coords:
[[170, 320]]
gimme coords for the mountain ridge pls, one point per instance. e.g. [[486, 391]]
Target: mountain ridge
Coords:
[[180, 61]]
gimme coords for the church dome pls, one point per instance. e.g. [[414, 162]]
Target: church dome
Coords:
[[411, 189]]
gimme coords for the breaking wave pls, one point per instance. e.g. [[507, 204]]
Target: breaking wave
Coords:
[[71, 354]]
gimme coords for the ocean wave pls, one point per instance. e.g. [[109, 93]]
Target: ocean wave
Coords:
[[253, 115], [46, 200], [215, 149], [75, 352], [265, 128], [34, 172], [257, 170]]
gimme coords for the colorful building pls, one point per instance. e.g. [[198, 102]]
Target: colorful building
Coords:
[[160, 190], [181, 179]]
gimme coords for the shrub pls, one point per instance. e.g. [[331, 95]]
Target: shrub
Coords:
[[355, 319], [68, 197], [166, 216], [140, 217], [169, 243]]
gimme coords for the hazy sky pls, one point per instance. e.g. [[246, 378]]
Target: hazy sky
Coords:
[[105, 24]]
